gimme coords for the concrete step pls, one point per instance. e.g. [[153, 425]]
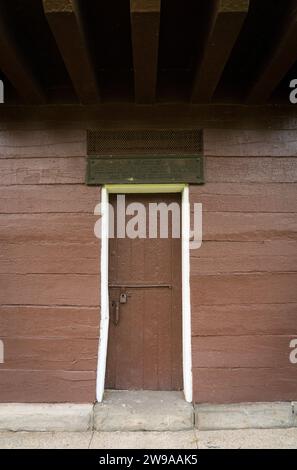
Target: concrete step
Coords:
[[246, 416], [143, 411]]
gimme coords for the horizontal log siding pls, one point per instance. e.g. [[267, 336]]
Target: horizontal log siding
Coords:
[[244, 277], [49, 268]]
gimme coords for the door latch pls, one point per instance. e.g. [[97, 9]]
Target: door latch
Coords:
[[116, 312], [116, 307], [123, 298]]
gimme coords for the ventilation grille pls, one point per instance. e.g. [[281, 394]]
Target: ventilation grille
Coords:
[[145, 142]]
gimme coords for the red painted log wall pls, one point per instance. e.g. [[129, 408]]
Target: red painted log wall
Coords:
[[243, 278], [49, 268]]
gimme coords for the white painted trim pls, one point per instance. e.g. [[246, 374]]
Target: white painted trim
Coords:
[[104, 321], [186, 301], [186, 298]]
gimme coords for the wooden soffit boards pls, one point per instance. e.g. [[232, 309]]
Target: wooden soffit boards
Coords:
[[17, 67], [68, 28], [281, 57], [225, 24], [145, 157], [145, 24]]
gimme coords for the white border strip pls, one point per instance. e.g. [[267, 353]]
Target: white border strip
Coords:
[[104, 321], [186, 301]]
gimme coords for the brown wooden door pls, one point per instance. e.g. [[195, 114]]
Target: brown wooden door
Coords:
[[145, 347]]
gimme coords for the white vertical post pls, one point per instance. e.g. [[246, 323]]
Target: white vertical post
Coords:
[[186, 298], [186, 301], [104, 322]]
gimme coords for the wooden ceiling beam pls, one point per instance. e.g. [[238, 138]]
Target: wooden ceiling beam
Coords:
[[65, 20], [16, 67], [280, 60], [145, 24], [225, 25]]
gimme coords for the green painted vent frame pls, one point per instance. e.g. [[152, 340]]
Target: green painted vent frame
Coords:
[[145, 157]]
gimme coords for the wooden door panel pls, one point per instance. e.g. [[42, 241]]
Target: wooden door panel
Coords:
[[145, 347]]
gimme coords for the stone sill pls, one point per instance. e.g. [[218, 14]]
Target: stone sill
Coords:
[[145, 411]]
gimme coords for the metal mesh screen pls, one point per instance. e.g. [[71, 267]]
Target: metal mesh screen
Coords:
[[145, 142]]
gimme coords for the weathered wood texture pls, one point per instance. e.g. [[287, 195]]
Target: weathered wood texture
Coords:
[[255, 143], [47, 386], [39, 199], [244, 277], [42, 171], [42, 143], [25, 321], [227, 257], [17, 67], [242, 351], [145, 23], [245, 226], [50, 354], [279, 60], [242, 319], [245, 197], [49, 257], [225, 24], [145, 348], [226, 197], [56, 228], [223, 289], [232, 385], [70, 31], [160, 116], [49, 289], [251, 170], [26, 257]]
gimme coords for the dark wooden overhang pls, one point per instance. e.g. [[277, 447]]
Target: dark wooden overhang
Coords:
[[147, 51]]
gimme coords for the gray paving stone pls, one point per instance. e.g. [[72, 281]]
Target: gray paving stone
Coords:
[[45, 417], [244, 416], [248, 439], [143, 411], [144, 440], [45, 440]]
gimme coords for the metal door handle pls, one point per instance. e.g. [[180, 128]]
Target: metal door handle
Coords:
[[116, 312]]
